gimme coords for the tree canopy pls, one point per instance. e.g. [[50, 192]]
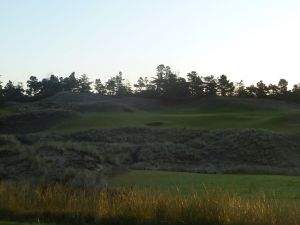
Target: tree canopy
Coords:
[[166, 84]]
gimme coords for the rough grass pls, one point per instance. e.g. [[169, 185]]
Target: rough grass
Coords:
[[82, 156], [33, 121], [86, 206], [281, 188]]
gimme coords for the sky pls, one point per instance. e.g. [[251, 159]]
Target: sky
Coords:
[[248, 40]]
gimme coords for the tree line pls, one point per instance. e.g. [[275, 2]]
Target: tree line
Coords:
[[165, 84]]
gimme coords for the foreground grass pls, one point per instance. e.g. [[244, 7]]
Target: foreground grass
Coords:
[[283, 188], [66, 205], [20, 223]]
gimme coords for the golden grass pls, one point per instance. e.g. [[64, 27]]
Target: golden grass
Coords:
[[62, 204]]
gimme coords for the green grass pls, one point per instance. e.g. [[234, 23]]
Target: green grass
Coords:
[[277, 121], [283, 188], [211, 113], [20, 223], [4, 112]]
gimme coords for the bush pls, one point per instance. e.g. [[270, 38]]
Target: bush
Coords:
[[8, 140], [104, 151]]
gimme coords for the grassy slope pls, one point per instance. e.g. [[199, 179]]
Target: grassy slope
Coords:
[[275, 187], [210, 113]]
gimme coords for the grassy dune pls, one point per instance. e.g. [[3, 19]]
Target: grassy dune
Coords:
[[66, 205]]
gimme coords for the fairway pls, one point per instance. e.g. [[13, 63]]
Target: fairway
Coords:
[[287, 121], [274, 187]]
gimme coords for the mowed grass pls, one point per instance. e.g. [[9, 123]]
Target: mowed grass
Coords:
[[287, 121], [283, 188], [210, 113]]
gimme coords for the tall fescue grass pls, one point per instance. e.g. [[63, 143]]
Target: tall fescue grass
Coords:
[[66, 205]]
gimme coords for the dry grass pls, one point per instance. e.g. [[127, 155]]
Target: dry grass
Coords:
[[61, 204]]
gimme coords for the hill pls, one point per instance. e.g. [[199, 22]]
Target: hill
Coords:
[[90, 102], [76, 111], [82, 138]]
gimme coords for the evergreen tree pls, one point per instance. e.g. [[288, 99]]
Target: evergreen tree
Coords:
[[210, 85], [99, 87], [50, 86], [145, 88], [1, 91], [296, 89], [121, 88], [261, 90], [116, 86], [140, 85], [128, 88], [240, 90], [225, 87], [283, 87], [70, 83], [13, 92], [251, 91], [84, 85], [34, 86], [168, 85], [163, 73], [273, 90], [195, 84], [182, 88], [111, 86]]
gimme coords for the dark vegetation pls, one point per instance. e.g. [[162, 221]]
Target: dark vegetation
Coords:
[[86, 157], [165, 85], [33, 121]]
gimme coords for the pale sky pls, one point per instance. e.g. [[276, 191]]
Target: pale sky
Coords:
[[244, 39]]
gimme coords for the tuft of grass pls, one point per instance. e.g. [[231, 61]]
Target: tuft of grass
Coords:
[[62, 204]]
